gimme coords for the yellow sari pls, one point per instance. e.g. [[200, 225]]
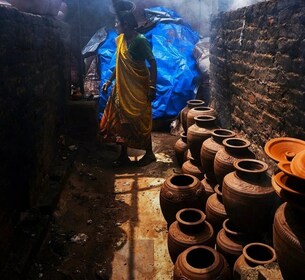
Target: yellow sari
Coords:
[[127, 116]]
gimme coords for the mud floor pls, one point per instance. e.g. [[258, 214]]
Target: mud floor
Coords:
[[108, 223]]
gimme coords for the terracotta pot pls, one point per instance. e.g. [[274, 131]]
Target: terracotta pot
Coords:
[[210, 147], [201, 263], [254, 254], [234, 149], [190, 105], [297, 165], [178, 192], [208, 186], [193, 168], [248, 196], [230, 242], [284, 148], [189, 229], [181, 148], [288, 242], [199, 111], [215, 210], [199, 132]]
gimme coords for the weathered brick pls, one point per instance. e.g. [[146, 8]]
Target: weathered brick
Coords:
[[262, 69]]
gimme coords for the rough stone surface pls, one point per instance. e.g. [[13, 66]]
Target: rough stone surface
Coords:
[[257, 70], [34, 61]]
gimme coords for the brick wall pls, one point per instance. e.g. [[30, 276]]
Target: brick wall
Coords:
[[35, 71], [258, 70]]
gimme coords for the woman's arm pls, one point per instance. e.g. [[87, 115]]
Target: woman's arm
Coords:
[[107, 84]]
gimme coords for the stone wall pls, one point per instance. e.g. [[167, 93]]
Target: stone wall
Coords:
[[257, 70], [35, 71]]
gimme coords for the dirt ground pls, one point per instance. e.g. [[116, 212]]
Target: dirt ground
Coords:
[[108, 223]]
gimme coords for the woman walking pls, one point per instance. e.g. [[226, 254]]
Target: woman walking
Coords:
[[127, 119]]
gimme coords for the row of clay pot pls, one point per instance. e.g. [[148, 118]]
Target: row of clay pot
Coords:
[[288, 224], [202, 262], [191, 231]]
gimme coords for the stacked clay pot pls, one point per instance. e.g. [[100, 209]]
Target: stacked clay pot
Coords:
[[288, 224], [210, 147], [208, 186], [199, 111], [192, 167], [215, 210], [190, 105], [248, 196], [189, 229], [289, 240], [254, 254], [181, 148], [180, 191], [198, 133], [230, 242], [201, 263], [234, 149]]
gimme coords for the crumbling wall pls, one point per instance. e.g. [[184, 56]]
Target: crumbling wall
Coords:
[[257, 70], [35, 71]]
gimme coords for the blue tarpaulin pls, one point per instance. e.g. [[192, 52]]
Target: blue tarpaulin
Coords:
[[172, 44]]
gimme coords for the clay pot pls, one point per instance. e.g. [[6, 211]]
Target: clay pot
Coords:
[[189, 229], [298, 165], [190, 105], [178, 192], [230, 242], [193, 168], [199, 111], [248, 196], [288, 242], [210, 147], [201, 263], [199, 132], [234, 149], [215, 210], [208, 186], [284, 148], [181, 148], [254, 254]]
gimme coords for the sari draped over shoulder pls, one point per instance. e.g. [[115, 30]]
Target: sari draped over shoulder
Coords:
[[127, 116]]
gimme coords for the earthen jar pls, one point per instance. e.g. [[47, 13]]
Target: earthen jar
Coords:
[[230, 242], [189, 229], [208, 186], [181, 148], [215, 210], [210, 147], [190, 105], [199, 111], [289, 241], [254, 254], [234, 149], [201, 263], [193, 168], [248, 196], [180, 191], [199, 132]]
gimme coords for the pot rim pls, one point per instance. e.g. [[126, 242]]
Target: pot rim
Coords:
[[203, 108], [183, 222], [245, 143], [204, 118], [230, 133], [247, 257], [201, 270], [264, 166], [194, 182]]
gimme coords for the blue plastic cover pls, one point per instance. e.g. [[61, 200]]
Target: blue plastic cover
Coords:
[[178, 77]]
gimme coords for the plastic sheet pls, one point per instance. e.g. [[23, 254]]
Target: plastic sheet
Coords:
[[172, 44]]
